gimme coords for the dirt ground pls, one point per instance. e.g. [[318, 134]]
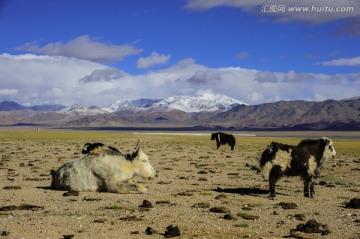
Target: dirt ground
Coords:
[[202, 191]]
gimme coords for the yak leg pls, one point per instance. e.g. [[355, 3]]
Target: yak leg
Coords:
[[275, 174], [309, 190], [128, 186], [218, 144]]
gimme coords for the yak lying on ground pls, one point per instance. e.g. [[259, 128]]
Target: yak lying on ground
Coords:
[[304, 160], [222, 138], [106, 171]]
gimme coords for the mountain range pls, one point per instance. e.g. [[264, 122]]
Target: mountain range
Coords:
[[202, 112]]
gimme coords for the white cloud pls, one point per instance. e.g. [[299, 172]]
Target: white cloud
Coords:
[[152, 60], [8, 92], [31, 79], [355, 61], [315, 12], [83, 47]]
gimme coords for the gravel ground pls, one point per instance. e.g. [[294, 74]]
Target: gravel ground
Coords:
[[200, 192]]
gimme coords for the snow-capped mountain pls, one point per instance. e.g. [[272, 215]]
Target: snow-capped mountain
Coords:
[[83, 110], [189, 104], [134, 105], [206, 102]]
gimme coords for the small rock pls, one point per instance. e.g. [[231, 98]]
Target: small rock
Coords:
[[12, 187], [68, 236], [322, 183], [311, 226], [146, 204], [149, 231], [287, 205], [172, 231], [202, 172], [100, 220], [71, 193], [231, 217], [5, 233], [248, 216], [221, 196], [202, 205], [185, 194], [220, 210], [163, 202], [300, 217], [130, 218]]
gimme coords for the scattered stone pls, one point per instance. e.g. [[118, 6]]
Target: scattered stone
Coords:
[[311, 226], [231, 217], [100, 220], [300, 217], [91, 199], [221, 196], [247, 216], [71, 193], [68, 236], [202, 172], [288, 205], [30, 207], [12, 187], [330, 185], [354, 203], [323, 183], [8, 208], [149, 231], [5, 233], [146, 204], [220, 210], [172, 231], [163, 202], [185, 194], [203, 179], [130, 218], [22, 207], [163, 182], [202, 205]]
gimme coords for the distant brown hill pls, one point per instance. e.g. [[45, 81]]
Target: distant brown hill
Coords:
[[282, 115]]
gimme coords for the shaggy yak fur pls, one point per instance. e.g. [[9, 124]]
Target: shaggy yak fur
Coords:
[[107, 170], [222, 138], [96, 148], [304, 160]]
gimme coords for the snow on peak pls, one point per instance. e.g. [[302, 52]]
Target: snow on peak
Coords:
[[205, 102], [82, 110], [134, 105], [189, 104]]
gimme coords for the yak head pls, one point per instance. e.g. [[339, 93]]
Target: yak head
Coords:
[[141, 162], [329, 150]]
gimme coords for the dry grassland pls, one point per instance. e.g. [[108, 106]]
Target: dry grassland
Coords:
[[206, 193]]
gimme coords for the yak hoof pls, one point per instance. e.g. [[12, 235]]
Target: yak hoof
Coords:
[[272, 197]]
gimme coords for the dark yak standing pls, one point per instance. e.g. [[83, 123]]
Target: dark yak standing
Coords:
[[222, 138], [304, 160]]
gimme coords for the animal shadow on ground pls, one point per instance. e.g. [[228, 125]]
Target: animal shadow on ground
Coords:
[[243, 191]]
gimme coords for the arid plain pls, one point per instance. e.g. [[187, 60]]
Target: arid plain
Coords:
[[205, 192]]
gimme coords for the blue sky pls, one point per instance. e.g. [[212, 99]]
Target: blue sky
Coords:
[[95, 52]]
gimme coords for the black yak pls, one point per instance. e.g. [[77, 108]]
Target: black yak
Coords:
[[222, 138], [304, 160]]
